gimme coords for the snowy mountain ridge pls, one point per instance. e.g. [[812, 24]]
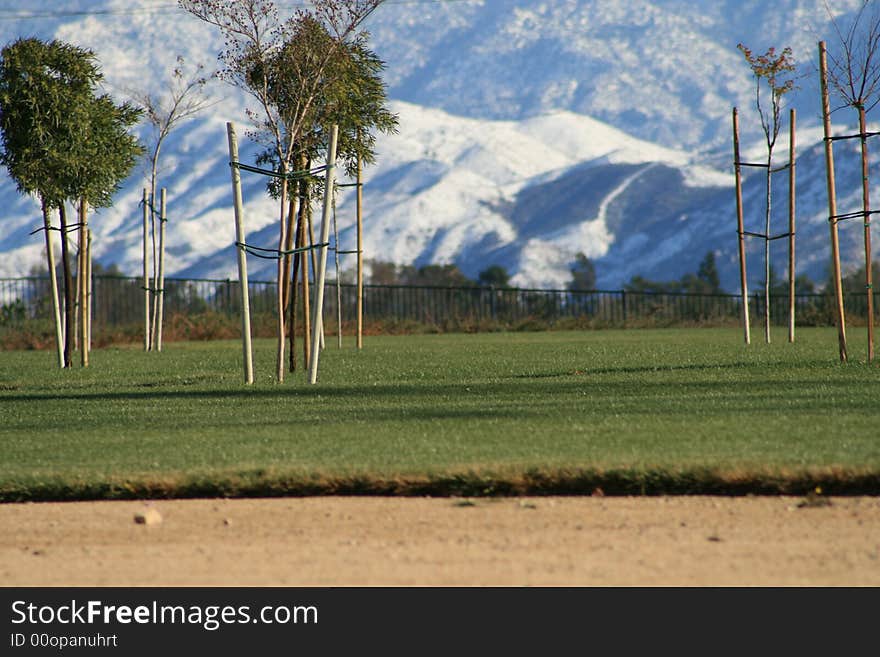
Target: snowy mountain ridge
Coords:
[[531, 130]]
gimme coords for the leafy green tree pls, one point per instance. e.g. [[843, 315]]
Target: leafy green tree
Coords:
[[435, 276], [494, 276], [354, 99], [641, 284], [706, 281], [284, 68], [707, 273], [61, 141], [583, 274], [383, 273]]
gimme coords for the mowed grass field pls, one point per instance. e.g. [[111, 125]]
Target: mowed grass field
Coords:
[[628, 412]]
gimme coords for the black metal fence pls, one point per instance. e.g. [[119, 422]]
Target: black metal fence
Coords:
[[120, 300]]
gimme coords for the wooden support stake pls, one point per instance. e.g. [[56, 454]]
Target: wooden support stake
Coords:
[[866, 206], [146, 207], [329, 183], [791, 222], [247, 348], [82, 272], [306, 293], [53, 284], [160, 276], [89, 290], [360, 259], [314, 257], [832, 204], [77, 293], [744, 286], [338, 282]]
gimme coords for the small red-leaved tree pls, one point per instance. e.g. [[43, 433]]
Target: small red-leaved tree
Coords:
[[773, 74]]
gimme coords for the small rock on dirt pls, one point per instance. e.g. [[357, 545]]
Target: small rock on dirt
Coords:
[[148, 516]]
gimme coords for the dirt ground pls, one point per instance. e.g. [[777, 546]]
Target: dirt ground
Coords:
[[552, 541]]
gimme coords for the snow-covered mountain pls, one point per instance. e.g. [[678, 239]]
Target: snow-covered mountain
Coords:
[[530, 130]]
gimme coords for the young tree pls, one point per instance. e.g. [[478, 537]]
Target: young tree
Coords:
[[354, 99], [285, 96], [772, 72], [61, 142], [105, 158], [854, 73], [182, 98]]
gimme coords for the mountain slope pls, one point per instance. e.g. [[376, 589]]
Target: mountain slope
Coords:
[[498, 160]]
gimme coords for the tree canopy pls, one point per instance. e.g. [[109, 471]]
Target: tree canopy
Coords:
[[60, 140]]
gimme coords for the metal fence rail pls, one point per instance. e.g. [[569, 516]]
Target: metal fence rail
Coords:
[[119, 301]]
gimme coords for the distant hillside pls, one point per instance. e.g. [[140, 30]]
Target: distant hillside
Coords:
[[531, 130]]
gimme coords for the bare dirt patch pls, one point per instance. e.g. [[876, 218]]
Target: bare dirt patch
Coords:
[[335, 541]]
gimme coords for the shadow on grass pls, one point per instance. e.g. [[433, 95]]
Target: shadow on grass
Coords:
[[533, 482], [651, 396]]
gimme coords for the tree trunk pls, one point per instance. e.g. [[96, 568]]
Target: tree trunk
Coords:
[[294, 279], [53, 284], [282, 243], [68, 287]]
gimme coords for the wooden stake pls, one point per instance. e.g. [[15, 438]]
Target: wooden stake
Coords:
[[145, 204], [307, 313], [53, 284], [360, 259], [338, 282], [89, 290], [160, 276], [769, 196], [791, 222], [329, 183], [832, 204], [82, 272], [78, 292], [866, 206], [313, 256], [247, 348], [744, 286]]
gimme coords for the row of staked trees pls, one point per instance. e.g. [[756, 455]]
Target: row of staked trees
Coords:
[[305, 75], [852, 73], [64, 142]]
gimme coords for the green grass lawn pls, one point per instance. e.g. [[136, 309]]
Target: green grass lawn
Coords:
[[638, 411]]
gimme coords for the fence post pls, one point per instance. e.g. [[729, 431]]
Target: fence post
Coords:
[[623, 303]]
